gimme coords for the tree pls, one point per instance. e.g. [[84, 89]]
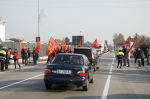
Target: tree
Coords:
[[118, 40], [67, 40]]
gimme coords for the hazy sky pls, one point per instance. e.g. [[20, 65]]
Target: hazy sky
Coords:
[[60, 18]]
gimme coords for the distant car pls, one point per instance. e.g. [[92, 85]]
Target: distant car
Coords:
[[69, 68], [90, 53]]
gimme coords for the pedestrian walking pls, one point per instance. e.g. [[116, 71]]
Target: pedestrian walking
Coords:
[[119, 56], [142, 58], [2, 58], [15, 57], [35, 55], [135, 55], [139, 57]]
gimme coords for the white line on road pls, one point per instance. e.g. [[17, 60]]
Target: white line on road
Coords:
[[20, 81], [106, 88]]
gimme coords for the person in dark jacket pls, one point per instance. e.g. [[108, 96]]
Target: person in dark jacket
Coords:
[[142, 57], [2, 58], [15, 57], [35, 55], [135, 55], [29, 55], [147, 56], [124, 50], [139, 57]]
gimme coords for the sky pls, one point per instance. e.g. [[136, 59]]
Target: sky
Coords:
[[99, 19]]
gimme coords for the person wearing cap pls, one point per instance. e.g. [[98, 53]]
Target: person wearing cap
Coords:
[[2, 58], [119, 56]]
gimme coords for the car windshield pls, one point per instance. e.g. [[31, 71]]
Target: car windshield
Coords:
[[68, 59]]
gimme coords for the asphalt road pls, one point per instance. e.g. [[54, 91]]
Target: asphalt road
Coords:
[[109, 83]]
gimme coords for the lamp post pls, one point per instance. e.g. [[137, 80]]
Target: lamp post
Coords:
[[38, 20]]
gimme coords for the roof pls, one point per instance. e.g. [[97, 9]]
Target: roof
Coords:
[[82, 48], [70, 54]]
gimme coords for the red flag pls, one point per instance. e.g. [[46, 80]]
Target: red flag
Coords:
[[38, 47], [68, 48], [130, 49], [56, 45], [20, 45], [126, 42], [79, 44], [95, 44], [50, 47], [63, 45]]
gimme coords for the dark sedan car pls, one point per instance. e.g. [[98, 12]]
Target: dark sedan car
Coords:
[[69, 69]]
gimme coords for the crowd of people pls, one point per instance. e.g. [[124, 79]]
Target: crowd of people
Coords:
[[138, 54], [7, 54]]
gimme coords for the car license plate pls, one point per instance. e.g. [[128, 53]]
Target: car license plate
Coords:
[[63, 71]]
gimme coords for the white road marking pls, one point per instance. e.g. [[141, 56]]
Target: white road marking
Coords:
[[106, 88], [20, 81]]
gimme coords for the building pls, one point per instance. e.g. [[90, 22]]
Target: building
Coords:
[[2, 32]]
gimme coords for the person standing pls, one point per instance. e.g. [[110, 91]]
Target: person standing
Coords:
[[142, 57], [35, 55], [15, 57], [124, 50], [127, 58], [135, 55], [120, 56], [139, 57], [9, 55], [147, 56], [7, 59], [26, 56], [29, 55], [23, 55], [2, 58]]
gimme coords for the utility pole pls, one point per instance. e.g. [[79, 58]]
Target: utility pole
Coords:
[[38, 19]]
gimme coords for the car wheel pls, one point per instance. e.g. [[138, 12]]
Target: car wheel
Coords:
[[92, 80], [85, 88], [48, 86]]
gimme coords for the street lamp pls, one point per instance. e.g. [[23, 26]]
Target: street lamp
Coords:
[[38, 18]]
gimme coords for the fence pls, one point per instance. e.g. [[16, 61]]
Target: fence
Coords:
[[14, 45]]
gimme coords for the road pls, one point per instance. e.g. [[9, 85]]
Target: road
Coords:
[[109, 83]]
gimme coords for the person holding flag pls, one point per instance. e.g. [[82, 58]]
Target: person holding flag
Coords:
[[127, 55], [124, 50]]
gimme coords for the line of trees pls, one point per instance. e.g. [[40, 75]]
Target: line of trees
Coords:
[[139, 40]]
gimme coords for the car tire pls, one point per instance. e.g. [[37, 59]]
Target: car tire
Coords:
[[92, 80], [48, 86], [85, 88]]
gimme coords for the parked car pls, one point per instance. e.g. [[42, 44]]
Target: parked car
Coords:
[[90, 53], [69, 68]]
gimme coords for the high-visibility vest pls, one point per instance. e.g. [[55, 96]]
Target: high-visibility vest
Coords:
[[120, 53], [3, 52]]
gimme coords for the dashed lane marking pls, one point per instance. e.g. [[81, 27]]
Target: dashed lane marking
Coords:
[[106, 88]]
